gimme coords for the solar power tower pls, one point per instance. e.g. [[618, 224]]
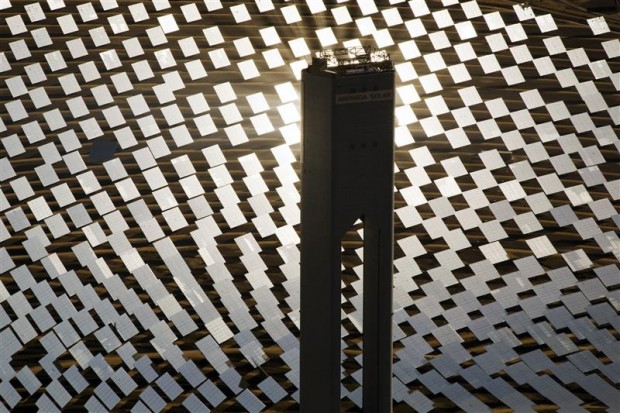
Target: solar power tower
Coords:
[[348, 162]]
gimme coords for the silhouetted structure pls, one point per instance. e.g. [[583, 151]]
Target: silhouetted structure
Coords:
[[348, 162]]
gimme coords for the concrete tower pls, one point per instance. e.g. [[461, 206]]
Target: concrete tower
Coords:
[[348, 165]]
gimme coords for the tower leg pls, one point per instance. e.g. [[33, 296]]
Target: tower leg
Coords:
[[377, 355], [320, 321]]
